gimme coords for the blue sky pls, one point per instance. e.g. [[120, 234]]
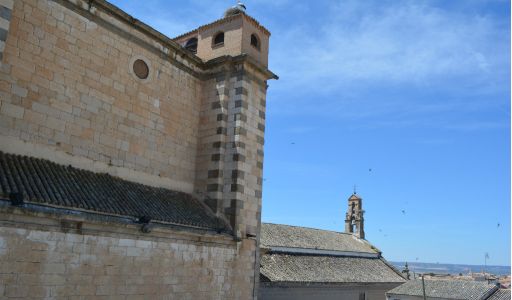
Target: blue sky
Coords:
[[408, 100]]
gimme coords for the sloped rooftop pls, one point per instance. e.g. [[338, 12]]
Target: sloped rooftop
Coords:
[[325, 269], [277, 235], [47, 183], [223, 20], [501, 294], [354, 197], [306, 255], [448, 289]]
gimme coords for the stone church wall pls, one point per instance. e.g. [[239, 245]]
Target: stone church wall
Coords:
[[67, 86], [42, 258], [68, 93]]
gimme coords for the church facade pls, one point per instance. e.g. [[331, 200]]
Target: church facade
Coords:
[[308, 263], [130, 163]]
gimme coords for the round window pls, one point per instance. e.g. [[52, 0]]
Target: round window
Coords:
[[141, 69]]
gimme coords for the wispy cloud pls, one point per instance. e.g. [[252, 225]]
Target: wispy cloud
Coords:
[[393, 63], [361, 60], [399, 42]]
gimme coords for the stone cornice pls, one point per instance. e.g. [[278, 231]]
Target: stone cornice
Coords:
[[136, 23], [242, 58], [169, 50], [52, 218]]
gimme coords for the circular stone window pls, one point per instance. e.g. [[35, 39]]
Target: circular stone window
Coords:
[[141, 69]]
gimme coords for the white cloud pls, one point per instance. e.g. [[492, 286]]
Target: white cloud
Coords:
[[394, 64], [334, 57], [398, 42]]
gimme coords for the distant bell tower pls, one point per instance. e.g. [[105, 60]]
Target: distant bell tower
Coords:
[[354, 220]]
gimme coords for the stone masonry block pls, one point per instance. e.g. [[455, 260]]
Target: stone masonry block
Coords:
[[12, 110], [19, 91]]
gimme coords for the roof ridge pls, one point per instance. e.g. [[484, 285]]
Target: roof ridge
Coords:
[[459, 280], [319, 229], [288, 250], [224, 19], [447, 289]]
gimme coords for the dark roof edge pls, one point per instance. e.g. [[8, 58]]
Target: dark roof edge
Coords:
[[416, 290], [319, 229], [491, 292], [499, 290], [392, 267], [320, 252], [88, 215], [322, 284]]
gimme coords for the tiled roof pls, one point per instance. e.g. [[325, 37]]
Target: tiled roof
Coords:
[[501, 294], [226, 19], [276, 235], [307, 255], [448, 289], [325, 269], [47, 183], [354, 197]]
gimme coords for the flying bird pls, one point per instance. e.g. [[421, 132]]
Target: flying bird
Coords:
[[403, 211]]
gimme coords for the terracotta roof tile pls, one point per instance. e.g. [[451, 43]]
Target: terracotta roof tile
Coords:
[[48, 183], [277, 235], [226, 19], [277, 267], [501, 294], [447, 289], [354, 197]]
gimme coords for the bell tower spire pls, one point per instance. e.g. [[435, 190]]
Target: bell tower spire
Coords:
[[354, 220]]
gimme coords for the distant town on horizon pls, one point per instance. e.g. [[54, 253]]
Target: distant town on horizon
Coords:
[[444, 268]]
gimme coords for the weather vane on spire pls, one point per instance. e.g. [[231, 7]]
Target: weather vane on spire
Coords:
[[355, 189]]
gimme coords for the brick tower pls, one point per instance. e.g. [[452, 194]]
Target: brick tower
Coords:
[[232, 123], [354, 220]]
